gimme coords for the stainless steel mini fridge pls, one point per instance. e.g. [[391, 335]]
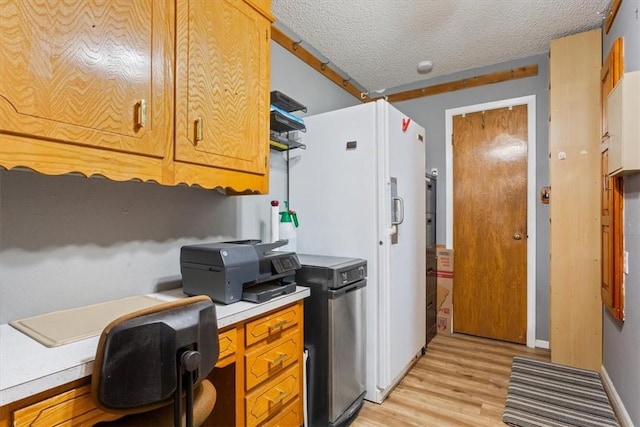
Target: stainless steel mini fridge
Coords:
[[334, 336]]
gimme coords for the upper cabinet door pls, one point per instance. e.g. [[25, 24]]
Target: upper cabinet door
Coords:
[[611, 72], [222, 84], [85, 72]]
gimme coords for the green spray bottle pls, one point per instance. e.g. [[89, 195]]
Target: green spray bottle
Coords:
[[288, 225]]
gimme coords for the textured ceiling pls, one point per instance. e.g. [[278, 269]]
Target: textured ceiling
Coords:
[[378, 43]]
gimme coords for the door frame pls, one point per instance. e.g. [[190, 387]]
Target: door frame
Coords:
[[530, 102]]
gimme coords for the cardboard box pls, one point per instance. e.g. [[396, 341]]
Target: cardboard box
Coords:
[[444, 269]]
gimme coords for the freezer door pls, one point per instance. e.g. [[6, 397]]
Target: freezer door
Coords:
[[333, 185], [335, 190], [402, 290]]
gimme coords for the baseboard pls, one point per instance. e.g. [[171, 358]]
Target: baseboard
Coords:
[[618, 407], [381, 394], [542, 344]]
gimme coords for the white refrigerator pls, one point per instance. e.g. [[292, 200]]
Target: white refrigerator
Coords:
[[359, 191]]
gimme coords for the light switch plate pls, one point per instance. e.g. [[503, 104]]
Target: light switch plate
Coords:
[[626, 262]]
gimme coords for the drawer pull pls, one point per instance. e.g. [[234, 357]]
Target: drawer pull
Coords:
[[279, 325], [199, 130], [141, 113], [279, 398], [281, 357]]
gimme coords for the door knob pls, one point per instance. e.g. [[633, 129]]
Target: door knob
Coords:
[[517, 236]]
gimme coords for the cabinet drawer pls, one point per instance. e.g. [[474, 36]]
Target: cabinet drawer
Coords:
[[272, 397], [290, 416], [267, 361], [270, 327], [228, 345], [71, 408]]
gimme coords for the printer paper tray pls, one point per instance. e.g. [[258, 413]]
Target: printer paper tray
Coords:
[[266, 291]]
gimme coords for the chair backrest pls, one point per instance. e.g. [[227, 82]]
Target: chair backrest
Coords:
[[138, 360]]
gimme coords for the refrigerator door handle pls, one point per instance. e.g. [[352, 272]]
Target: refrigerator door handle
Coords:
[[398, 213]]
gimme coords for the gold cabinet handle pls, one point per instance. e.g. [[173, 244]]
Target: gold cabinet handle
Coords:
[[141, 113], [277, 360], [281, 395], [199, 129], [517, 236], [279, 324]]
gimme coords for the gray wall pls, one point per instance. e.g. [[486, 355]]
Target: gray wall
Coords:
[[430, 113], [68, 241], [304, 84], [101, 240], [621, 341]]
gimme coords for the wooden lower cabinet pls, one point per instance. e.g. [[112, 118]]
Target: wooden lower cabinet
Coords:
[[289, 416], [273, 380], [271, 327], [69, 405], [269, 399], [265, 361], [258, 384], [73, 407], [228, 345]]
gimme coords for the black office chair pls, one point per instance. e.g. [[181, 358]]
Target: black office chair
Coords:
[[146, 359]]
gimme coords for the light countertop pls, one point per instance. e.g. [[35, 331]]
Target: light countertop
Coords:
[[28, 367]]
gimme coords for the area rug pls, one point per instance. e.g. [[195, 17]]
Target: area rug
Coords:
[[553, 395]]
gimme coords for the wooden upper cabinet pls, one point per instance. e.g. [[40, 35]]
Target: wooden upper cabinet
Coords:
[[612, 194], [116, 87], [88, 73], [222, 90], [606, 85], [610, 74]]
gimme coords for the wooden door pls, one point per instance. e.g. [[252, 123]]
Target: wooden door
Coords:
[[222, 78], [490, 223], [79, 72], [575, 309]]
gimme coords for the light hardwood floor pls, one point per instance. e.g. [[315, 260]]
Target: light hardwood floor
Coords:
[[460, 381]]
